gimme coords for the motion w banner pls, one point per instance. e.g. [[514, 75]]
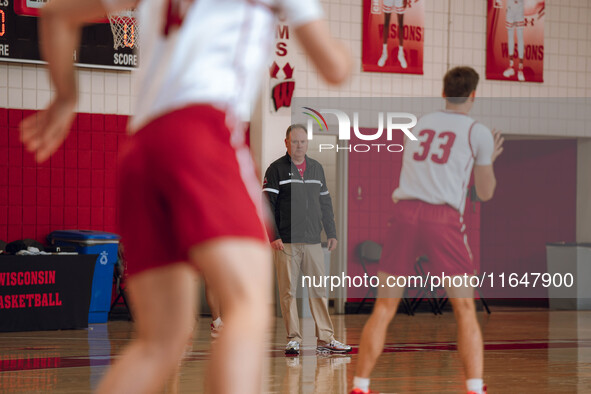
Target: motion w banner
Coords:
[[393, 36], [515, 40]]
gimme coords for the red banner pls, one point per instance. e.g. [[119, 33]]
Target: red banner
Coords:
[[515, 40], [400, 50], [281, 71]]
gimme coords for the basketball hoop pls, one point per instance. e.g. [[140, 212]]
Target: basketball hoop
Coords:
[[125, 29]]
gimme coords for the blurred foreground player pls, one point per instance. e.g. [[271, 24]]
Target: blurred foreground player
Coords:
[[201, 66], [427, 220]]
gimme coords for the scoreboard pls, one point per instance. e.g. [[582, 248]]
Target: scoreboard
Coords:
[[19, 39]]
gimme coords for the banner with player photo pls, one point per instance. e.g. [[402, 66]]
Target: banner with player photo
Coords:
[[515, 40], [400, 50]]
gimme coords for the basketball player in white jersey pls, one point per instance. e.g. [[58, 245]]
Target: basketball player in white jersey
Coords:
[[515, 22], [189, 197], [389, 6], [427, 220]]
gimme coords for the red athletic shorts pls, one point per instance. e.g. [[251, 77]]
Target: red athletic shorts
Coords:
[[421, 229], [181, 183]]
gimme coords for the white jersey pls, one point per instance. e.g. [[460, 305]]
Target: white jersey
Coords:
[[437, 168], [216, 56], [514, 14]]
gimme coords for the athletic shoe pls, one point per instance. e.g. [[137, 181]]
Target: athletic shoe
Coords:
[[383, 58], [215, 331], [292, 348], [334, 346], [359, 391], [508, 73], [483, 390], [401, 58], [520, 76]]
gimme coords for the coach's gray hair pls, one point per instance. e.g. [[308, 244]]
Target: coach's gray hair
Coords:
[[294, 126]]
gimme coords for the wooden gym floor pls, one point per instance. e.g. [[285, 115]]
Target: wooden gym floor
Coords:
[[526, 351]]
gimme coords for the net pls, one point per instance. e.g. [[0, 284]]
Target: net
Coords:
[[125, 29]]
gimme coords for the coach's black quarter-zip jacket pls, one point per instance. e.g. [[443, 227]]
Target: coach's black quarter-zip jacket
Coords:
[[300, 207]]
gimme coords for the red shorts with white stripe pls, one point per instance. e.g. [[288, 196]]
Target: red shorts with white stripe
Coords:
[[421, 229], [183, 182]]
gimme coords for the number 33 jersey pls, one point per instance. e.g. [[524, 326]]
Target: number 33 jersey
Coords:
[[437, 167]]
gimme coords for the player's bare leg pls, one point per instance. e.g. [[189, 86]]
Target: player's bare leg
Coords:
[[239, 271], [164, 301], [401, 57], [470, 344], [510, 71], [174, 381], [373, 335], [384, 57], [520, 52]]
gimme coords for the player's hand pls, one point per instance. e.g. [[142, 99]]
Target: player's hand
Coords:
[[277, 244], [331, 244], [44, 132], [498, 140]]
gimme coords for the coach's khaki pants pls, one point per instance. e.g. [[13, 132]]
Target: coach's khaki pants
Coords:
[[288, 262]]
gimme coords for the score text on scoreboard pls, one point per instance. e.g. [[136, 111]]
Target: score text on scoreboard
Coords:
[[19, 39]]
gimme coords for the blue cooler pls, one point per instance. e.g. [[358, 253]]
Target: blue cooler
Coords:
[[106, 246]]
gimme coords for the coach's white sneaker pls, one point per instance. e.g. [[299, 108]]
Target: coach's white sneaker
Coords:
[[401, 58], [508, 73], [292, 348], [333, 346], [384, 57], [520, 76]]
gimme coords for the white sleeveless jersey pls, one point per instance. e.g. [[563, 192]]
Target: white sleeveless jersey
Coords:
[[217, 55], [514, 15], [437, 168]]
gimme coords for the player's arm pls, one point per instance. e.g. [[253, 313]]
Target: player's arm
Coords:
[[60, 27], [489, 147], [271, 192], [331, 57], [59, 34]]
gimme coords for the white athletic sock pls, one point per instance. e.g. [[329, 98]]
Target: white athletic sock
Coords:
[[520, 43], [511, 63], [474, 385], [361, 383], [384, 47], [217, 322], [511, 41]]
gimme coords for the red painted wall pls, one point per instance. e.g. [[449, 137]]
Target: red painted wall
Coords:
[[534, 203], [75, 189]]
